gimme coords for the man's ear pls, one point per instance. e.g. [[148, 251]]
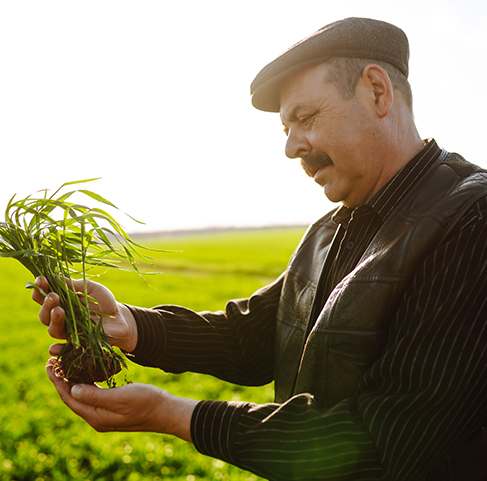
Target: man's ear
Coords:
[[379, 85]]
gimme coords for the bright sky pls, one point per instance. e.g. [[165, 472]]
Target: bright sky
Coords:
[[153, 96]]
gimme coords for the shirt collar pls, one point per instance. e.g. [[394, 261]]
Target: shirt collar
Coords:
[[391, 193]]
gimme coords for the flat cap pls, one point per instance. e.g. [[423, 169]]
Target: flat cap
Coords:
[[352, 37]]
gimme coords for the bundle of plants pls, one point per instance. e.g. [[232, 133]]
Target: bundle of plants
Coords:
[[63, 240]]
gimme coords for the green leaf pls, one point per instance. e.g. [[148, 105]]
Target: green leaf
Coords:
[[31, 285], [75, 182]]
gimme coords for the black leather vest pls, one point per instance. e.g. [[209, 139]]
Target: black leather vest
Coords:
[[351, 330]]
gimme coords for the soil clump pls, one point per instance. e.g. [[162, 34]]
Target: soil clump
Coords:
[[76, 365]]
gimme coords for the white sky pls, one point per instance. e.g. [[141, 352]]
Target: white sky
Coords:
[[153, 96]]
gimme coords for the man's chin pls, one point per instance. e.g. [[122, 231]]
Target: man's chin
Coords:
[[332, 195]]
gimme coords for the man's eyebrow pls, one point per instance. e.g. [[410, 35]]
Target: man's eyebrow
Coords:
[[292, 113]]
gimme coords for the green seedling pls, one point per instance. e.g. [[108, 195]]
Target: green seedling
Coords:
[[62, 240]]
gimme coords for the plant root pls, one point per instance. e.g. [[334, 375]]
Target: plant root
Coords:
[[76, 365]]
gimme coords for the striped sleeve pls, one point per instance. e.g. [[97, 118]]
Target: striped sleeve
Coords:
[[423, 400], [217, 421], [236, 345]]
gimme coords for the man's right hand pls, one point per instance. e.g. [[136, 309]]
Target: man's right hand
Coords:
[[118, 321]]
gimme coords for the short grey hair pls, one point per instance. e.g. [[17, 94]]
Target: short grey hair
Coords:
[[345, 73]]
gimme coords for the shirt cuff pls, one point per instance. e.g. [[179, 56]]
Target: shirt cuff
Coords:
[[151, 336], [213, 428]]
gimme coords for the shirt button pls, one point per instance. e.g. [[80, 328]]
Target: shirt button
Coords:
[[350, 245]]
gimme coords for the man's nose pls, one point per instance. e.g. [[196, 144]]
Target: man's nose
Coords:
[[296, 144]]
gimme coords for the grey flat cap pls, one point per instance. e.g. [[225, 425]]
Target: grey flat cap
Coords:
[[351, 37]]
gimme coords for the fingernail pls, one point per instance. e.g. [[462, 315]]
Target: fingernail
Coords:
[[76, 391]]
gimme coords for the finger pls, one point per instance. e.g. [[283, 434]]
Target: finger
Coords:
[[49, 302], [64, 390], [51, 361], [56, 349], [101, 419], [37, 295], [56, 326], [52, 315]]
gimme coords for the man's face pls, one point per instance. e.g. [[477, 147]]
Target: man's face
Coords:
[[334, 137]]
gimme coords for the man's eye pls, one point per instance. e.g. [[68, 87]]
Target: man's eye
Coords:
[[305, 119]]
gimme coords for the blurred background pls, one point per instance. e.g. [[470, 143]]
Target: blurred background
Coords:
[[153, 97]]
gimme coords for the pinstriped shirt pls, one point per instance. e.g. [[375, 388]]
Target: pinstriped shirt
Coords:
[[424, 397]]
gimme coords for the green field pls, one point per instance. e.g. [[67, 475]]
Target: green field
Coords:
[[41, 440]]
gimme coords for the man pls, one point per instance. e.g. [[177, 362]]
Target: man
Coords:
[[375, 335]]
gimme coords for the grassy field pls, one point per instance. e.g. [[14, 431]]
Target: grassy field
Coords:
[[41, 440]]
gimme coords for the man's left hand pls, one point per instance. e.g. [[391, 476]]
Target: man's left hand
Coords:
[[134, 407]]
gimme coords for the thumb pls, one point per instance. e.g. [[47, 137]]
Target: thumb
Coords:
[[93, 395], [76, 284], [86, 393], [76, 391]]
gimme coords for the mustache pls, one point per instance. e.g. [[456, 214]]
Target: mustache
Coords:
[[314, 161]]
